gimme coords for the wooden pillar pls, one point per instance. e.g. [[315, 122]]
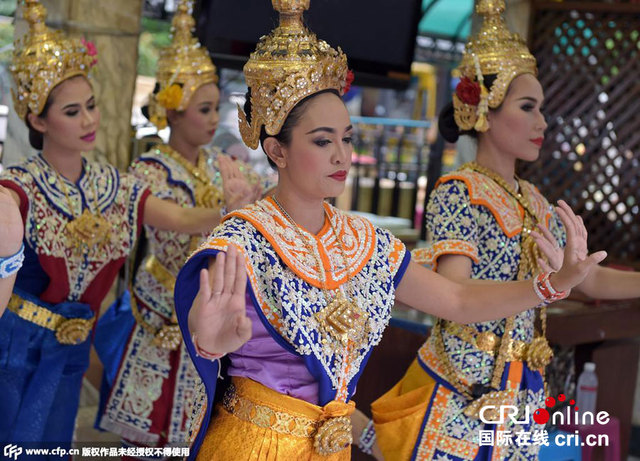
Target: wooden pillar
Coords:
[[114, 27]]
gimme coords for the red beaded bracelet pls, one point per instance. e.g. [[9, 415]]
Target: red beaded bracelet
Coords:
[[545, 291], [204, 354]]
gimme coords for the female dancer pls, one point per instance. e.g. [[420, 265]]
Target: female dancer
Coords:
[[81, 220], [482, 220], [151, 405], [321, 282]]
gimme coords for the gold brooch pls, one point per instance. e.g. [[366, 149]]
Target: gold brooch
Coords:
[[333, 435], [73, 331], [88, 229]]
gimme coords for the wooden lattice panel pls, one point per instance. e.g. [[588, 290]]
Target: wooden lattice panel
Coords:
[[589, 67]]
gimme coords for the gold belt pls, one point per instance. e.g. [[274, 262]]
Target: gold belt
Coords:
[[330, 435], [168, 336], [537, 353], [68, 331]]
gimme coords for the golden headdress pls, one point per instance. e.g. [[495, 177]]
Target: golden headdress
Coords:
[[43, 59], [288, 65], [494, 51], [183, 67]]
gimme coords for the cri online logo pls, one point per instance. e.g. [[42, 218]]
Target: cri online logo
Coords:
[[541, 415], [492, 414]]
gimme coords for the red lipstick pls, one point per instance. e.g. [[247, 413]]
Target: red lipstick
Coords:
[[339, 175], [89, 137], [537, 141]]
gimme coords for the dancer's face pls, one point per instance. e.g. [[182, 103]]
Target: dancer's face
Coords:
[[72, 120], [516, 128], [198, 122], [318, 157]]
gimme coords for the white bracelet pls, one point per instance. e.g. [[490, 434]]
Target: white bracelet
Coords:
[[11, 264]]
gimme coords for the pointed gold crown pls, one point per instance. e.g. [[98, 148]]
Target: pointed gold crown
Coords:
[[183, 67], [43, 59], [493, 51], [288, 65]]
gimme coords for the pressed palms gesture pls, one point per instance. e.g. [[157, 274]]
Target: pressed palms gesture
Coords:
[[218, 316], [237, 190], [576, 262], [11, 225]]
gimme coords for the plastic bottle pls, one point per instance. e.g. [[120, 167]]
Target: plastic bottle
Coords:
[[587, 389]]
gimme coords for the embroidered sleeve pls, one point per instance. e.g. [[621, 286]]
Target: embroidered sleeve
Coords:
[[153, 175], [451, 226], [397, 254], [137, 194]]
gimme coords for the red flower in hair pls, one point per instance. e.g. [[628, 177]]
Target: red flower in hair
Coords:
[[91, 49], [468, 91], [348, 81]]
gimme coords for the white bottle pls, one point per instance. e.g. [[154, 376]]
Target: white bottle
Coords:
[[587, 389]]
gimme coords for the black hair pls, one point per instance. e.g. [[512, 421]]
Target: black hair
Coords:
[[447, 124], [145, 109], [36, 138], [284, 136]]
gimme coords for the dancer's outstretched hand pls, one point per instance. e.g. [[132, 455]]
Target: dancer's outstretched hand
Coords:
[[577, 261], [218, 315], [550, 248], [11, 225]]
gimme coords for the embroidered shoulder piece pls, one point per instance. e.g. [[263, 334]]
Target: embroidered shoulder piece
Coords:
[[287, 292], [507, 212], [99, 182], [358, 238]]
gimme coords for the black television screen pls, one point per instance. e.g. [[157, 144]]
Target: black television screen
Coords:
[[378, 36]]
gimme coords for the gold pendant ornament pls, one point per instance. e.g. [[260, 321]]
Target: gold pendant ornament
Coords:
[[486, 341], [88, 229], [343, 320], [539, 353]]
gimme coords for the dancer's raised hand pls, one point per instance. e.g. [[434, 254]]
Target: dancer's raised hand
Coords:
[[577, 262], [218, 316], [550, 247]]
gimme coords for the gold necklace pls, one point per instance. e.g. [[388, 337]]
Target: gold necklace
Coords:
[[343, 319], [89, 229], [206, 194]]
